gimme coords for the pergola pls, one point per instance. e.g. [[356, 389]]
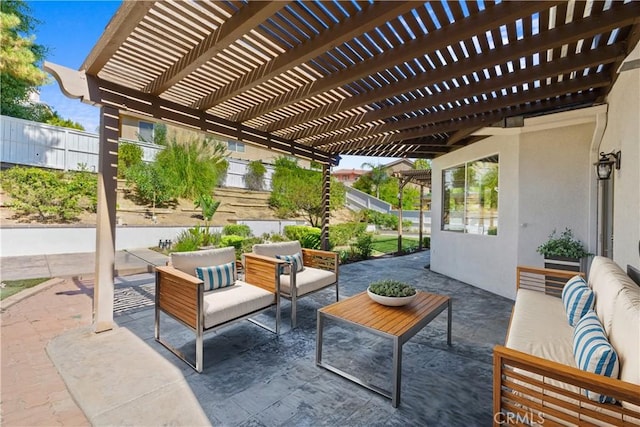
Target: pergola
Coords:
[[319, 79]]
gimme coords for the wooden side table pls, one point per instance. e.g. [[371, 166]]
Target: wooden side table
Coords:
[[397, 323]]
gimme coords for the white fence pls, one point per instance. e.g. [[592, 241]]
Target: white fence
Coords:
[[358, 200], [38, 144]]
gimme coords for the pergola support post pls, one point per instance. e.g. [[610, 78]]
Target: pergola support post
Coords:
[[326, 194], [103, 291]]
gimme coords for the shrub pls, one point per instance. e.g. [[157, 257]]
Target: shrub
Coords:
[[128, 155], [242, 230], [194, 238], [247, 244], [426, 242], [341, 234], [296, 232], [388, 221], [364, 245], [275, 238], [193, 166], [311, 240], [154, 184], [50, 196], [235, 241], [254, 178]]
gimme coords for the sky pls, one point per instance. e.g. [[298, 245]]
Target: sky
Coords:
[[70, 29]]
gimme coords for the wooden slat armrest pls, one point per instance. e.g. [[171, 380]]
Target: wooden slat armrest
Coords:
[[621, 390], [548, 271], [262, 271], [179, 275], [316, 258], [548, 280]]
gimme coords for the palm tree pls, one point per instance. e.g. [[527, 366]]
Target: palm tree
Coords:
[[378, 175]]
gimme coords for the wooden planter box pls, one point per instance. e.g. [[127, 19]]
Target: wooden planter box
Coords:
[[560, 263]]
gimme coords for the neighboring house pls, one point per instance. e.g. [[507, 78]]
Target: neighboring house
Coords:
[[546, 180], [398, 165], [347, 176], [137, 129]]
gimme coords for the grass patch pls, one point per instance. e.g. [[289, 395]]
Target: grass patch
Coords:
[[389, 244], [12, 287]]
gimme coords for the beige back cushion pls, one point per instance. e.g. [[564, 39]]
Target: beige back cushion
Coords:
[[188, 261], [618, 307], [605, 278], [625, 331], [273, 249]]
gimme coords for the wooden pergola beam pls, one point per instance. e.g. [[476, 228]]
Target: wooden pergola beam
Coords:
[[491, 17], [552, 90], [247, 18], [115, 34], [372, 16], [565, 65], [559, 36], [484, 119]]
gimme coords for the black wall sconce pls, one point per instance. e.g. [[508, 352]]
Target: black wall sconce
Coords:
[[604, 166]]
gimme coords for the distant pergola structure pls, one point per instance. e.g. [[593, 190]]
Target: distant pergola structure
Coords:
[[423, 179], [320, 79]]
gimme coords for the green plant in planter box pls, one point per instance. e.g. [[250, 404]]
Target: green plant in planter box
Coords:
[[563, 245], [391, 288]]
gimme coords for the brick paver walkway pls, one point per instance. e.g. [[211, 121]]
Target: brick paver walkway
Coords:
[[32, 392]]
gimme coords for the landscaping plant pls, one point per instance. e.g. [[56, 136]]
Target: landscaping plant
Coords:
[[254, 178]]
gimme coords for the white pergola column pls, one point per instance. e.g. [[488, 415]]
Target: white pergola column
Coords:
[[106, 220]]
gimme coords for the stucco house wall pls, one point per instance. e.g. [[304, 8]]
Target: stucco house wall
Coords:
[[623, 133], [545, 183]]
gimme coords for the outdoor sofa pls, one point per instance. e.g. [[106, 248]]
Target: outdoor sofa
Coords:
[[217, 298], [318, 270], [537, 378]]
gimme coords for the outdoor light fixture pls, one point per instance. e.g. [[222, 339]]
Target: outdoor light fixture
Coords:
[[604, 165]]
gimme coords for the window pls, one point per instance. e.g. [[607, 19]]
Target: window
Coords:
[[470, 197], [236, 146], [145, 131]]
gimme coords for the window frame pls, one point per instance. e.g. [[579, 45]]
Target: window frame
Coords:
[[467, 228]]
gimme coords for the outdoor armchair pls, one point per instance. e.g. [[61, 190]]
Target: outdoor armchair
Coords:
[[201, 290], [307, 270]]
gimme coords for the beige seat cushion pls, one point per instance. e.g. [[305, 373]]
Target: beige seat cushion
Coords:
[[539, 327], [273, 249], [188, 261], [308, 280], [222, 305]]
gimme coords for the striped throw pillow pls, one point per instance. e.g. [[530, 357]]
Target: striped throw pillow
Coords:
[[295, 260], [593, 353], [577, 298], [217, 276]]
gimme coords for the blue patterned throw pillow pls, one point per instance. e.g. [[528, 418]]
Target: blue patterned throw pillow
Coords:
[[577, 298], [593, 353], [217, 276], [295, 260]]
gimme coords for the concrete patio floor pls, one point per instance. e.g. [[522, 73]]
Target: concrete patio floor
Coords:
[[254, 378]]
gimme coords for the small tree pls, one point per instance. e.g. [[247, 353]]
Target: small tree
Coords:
[[208, 206], [378, 176], [297, 191], [128, 155], [254, 178]]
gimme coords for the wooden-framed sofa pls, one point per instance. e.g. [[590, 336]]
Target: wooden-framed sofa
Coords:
[[181, 294], [536, 380], [319, 271]]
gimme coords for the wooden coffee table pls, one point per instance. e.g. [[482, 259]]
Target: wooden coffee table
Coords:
[[397, 323]]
